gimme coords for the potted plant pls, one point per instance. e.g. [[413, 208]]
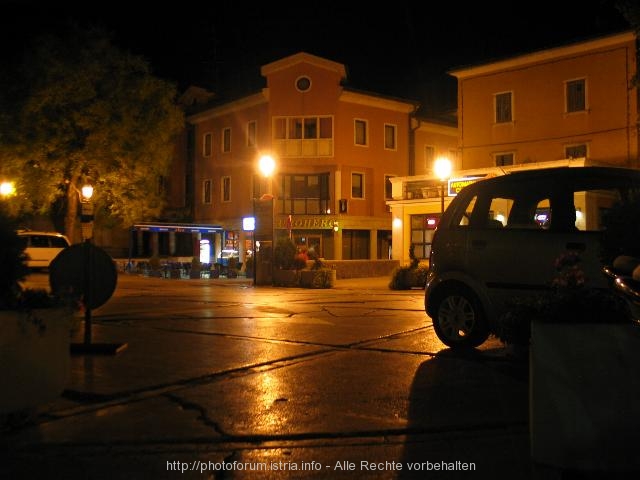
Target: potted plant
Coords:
[[35, 330], [584, 382], [409, 276], [232, 268], [284, 271], [196, 268], [318, 276]]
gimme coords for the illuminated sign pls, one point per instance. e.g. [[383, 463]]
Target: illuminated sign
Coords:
[[454, 185], [431, 222], [248, 224]]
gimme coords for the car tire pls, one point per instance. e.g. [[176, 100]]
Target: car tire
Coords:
[[458, 319]]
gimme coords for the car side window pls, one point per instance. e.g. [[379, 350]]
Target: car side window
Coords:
[[58, 242], [39, 241], [463, 215]]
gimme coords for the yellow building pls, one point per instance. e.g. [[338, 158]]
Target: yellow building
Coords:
[[545, 108]]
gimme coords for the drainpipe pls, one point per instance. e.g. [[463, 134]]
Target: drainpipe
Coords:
[[414, 124]]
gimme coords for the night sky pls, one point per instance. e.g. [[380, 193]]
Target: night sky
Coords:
[[402, 49]]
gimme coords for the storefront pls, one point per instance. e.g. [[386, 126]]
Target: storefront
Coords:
[[175, 240], [419, 201]]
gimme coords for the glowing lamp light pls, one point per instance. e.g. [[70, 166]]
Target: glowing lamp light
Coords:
[[396, 223], [442, 168], [7, 189], [87, 192], [267, 165]]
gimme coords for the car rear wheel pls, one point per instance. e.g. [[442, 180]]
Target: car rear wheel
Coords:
[[459, 321]]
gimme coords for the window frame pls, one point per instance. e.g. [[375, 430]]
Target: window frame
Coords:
[[360, 175], [252, 133], [207, 193], [225, 188], [225, 144], [499, 112], [365, 132], [576, 145], [569, 98], [207, 144], [388, 186], [504, 154], [394, 128], [428, 162]]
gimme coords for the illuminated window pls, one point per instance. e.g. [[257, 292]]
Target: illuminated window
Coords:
[[303, 194], [309, 136], [422, 229]]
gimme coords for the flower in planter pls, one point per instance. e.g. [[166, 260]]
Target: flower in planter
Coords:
[[568, 300]]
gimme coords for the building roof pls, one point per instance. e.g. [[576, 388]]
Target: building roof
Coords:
[[303, 57], [539, 56]]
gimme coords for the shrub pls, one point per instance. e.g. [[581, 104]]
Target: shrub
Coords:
[[408, 277], [284, 254]]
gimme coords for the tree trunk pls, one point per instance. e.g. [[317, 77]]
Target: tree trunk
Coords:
[[71, 215]]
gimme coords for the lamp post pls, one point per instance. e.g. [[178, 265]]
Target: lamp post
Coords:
[[267, 167], [86, 212], [86, 219], [442, 169]]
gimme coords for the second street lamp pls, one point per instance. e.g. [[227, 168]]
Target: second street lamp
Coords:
[[442, 169], [265, 227]]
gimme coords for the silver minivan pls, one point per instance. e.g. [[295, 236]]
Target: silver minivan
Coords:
[[501, 237], [42, 247]]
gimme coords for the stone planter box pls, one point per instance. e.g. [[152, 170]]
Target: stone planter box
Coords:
[[34, 357], [321, 278], [286, 278], [585, 396]]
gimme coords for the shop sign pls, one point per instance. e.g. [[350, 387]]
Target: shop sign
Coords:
[[301, 222], [454, 185]]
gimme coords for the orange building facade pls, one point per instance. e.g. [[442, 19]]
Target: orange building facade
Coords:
[[335, 151], [567, 102], [567, 106]]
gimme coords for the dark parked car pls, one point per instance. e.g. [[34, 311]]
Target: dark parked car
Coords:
[[500, 238]]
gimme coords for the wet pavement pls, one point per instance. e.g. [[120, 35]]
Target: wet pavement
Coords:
[[223, 380]]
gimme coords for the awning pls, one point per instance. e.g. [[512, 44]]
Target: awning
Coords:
[[176, 227]]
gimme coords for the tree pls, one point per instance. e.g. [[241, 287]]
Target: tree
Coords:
[[77, 109]]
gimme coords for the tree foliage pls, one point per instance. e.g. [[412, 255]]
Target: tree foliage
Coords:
[[77, 109]]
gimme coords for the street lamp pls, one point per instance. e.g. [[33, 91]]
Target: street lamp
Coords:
[[86, 211], [263, 231], [442, 169], [7, 189], [266, 165]]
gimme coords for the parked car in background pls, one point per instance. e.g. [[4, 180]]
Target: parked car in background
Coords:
[[42, 247], [500, 237]]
